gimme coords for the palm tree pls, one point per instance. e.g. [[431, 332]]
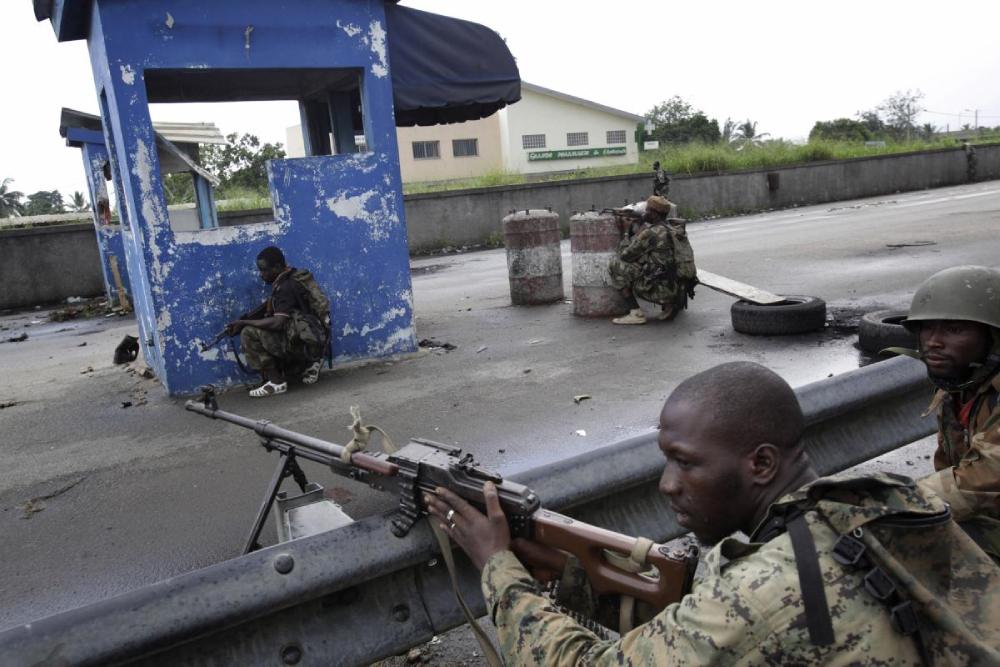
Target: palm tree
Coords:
[[727, 130], [747, 135], [77, 204], [10, 200]]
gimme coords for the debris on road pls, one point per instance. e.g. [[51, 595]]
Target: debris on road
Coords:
[[911, 244], [432, 344], [7, 404], [536, 341], [581, 433], [80, 309], [83, 344], [37, 504], [581, 397], [127, 350], [482, 349], [526, 371], [126, 404], [17, 339], [86, 369]]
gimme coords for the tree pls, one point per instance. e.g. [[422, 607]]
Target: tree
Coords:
[[10, 200], [928, 130], [676, 121], [747, 135], [77, 204], [241, 162], [840, 129], [900, 111], [728, 130], [45, 202], [872, 122]]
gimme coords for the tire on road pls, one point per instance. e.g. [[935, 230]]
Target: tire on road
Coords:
[[881, 329], [794, 315]]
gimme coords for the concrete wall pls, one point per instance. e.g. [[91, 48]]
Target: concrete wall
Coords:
[[47, 264], [471, 216], [465, 217]]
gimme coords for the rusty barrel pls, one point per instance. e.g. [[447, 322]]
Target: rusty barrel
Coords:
[[534, 260], [594, 240]]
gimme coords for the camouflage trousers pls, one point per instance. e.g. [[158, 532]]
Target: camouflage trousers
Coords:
[[273, 349], [659, 290]]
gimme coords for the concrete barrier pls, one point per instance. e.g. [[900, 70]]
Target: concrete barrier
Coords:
[[47, 264], [473, 217], [357, 593]]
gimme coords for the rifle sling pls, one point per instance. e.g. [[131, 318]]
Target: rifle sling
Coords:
[[811, 582], [361, 435]]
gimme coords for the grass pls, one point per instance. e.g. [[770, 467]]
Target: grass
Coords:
[[241, 199], [702, 158]]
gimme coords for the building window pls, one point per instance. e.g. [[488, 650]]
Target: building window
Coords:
[[532, 141], [616, 137], [426, 150], [576, 139], [465, 147]]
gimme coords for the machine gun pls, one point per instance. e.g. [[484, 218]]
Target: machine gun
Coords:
[[423, 465]]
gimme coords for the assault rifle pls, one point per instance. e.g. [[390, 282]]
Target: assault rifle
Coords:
[[423, 465], [224, 333]]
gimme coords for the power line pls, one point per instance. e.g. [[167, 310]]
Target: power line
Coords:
[[965, 113]]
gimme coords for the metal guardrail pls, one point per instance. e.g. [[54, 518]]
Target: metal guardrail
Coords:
[[357, 594]]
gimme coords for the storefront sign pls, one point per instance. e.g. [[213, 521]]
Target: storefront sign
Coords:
[[572, 154]]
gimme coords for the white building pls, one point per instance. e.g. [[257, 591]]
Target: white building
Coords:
[[545, 131]]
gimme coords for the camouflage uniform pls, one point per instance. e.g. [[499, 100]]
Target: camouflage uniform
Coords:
[[746, 610], [647, 265], [967, 462], [302, 337]]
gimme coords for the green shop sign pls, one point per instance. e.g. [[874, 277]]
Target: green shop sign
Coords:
[[535, 156]]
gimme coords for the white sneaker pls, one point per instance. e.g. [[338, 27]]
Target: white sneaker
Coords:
[[269, 389], [311, 374], [635, 316]]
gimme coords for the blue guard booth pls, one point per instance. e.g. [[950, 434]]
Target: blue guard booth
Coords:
[[338, 212]]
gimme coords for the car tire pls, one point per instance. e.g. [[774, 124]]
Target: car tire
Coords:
[[794, 315], [881, 329]]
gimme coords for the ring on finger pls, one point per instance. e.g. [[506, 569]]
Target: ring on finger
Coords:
[[449, 516]]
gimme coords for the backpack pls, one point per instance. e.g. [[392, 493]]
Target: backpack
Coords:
[[319, 304], [310, 326], [683, 253], [938, 586]]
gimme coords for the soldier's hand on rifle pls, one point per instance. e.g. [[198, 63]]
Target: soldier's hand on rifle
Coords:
[[479, 536]]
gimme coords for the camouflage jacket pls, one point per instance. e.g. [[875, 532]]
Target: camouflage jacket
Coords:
[[652, 247], [746, 610], [967, 462]]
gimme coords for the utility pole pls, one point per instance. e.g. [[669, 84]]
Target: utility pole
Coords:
[[975, 125]]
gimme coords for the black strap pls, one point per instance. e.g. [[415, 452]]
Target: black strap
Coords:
[[811, 582]]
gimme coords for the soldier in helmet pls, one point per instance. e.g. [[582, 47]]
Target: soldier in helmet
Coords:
[[655, 264], [956, 316]]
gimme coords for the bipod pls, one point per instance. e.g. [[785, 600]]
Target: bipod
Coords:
[[288, 466]]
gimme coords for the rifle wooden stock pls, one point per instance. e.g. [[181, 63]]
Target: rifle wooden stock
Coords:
[[588, 543]]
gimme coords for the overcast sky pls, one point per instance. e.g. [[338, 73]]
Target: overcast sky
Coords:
[[784, 64]]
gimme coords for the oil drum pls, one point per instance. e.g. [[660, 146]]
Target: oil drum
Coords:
[[534, 259]]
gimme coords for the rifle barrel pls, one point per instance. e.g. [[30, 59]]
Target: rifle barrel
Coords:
[[266, 429]]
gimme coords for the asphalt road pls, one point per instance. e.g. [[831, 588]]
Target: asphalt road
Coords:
[[149, 491]]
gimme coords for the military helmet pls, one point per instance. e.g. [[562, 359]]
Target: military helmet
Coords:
[[960, 293]]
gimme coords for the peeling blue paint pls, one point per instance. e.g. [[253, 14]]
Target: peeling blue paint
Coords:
[[110, 244], [339, 216]]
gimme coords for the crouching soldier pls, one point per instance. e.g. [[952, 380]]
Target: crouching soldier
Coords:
[[655, 262], [288, 333]]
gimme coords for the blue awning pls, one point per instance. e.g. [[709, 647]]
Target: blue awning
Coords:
[[446, 70]]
